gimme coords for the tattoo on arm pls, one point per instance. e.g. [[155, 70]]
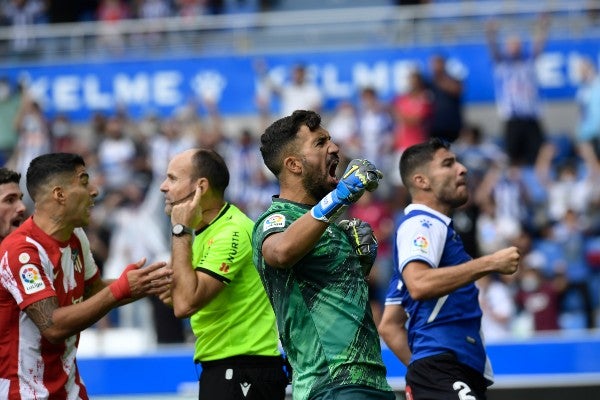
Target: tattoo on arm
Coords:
[[41, 311]]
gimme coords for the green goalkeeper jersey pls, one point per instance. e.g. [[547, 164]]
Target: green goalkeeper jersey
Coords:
[[322, 309]]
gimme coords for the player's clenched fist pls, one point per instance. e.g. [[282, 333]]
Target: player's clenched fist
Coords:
[[506, 261], [360, 175]]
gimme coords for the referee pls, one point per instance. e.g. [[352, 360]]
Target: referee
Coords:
[[216, 285]]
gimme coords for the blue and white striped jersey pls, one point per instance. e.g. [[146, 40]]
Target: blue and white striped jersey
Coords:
[[451, 323]]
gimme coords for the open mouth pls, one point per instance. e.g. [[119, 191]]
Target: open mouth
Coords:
[[333, 168]]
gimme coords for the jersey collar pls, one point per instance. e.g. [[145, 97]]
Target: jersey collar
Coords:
[[421, 207]]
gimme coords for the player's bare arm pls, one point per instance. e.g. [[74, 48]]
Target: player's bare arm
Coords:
[[41, 311], [424, 282], [393, 331], [93, 287], [190, 289]]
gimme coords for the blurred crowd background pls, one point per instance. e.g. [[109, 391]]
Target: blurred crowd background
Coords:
[[536, 188]]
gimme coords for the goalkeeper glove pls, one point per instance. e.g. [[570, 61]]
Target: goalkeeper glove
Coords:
[[363, 241], [360, 175]]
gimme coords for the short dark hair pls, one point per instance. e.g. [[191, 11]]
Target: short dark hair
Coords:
[[49, 166], [9, 176], [418, 155], [281, 133], [210, 165]]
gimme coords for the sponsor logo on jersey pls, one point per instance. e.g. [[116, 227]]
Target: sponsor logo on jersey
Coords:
[[31, 279], [76, 260], [245, 388], [425, 223], [420, 244], [224, 268], [274, 221]]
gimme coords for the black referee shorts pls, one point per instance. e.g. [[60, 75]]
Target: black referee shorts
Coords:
[[442, 377], [243, 378]]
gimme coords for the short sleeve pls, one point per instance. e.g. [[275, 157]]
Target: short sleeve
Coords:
[[421, 238], [224, 254], [23, 275]]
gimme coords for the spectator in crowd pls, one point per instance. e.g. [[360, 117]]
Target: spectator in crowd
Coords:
[[10, 101], [343, 126], [43, 308], [63, 139], [509, 192], [375, 133], [250, 186], [152, 10], [21, 14], [412, 113], [117, 155], [216, 285], [12, 208], [477, 152], [34, 136], [314, 269], [588, 99], [297, 93], [498, 307], [517, 92], [538, 295], [110, 12], [447, 91], [61, 11], [570, 234], [493, 232], [374, 126], [127, 209], [190, 8]]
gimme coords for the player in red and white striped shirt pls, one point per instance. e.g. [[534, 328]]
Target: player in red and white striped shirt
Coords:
[[51, 287]]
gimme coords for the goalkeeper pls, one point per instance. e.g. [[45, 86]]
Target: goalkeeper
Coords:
[[313, 266]]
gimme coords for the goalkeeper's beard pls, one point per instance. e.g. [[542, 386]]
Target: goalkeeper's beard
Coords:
[[315, 186]]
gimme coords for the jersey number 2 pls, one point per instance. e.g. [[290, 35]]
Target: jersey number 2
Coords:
[[464, 391]]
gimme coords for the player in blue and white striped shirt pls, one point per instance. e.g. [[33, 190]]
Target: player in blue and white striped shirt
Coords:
[[434, 283]]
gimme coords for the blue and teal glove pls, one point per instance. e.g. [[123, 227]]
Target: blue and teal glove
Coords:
[[363, 241], [360, 175]]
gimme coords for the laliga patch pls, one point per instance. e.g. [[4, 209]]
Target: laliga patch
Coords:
[[31, 279], [274, 221], [24, 258], [420, 244]]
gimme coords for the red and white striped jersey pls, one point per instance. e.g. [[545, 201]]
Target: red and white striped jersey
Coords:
[[35, 266]]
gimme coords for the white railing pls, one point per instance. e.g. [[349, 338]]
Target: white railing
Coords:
[[291, 30]]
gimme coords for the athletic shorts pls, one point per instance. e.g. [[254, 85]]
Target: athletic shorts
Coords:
[[354, 392], [243, 378], [442, 377]]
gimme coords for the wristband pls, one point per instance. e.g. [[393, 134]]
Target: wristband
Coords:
[[329, 208], [120, 288]]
